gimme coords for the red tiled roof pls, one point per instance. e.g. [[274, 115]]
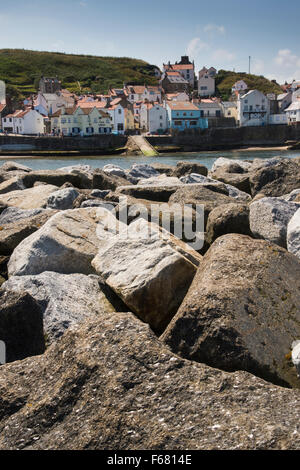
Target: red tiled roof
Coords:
[[182, 106], [2, 106]]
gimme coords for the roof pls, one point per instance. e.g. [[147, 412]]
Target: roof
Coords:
[[180, 66], [137, 89], [282, 96], [295, 106], [176, 79], [229, 104], [182, 106], [2, 106]]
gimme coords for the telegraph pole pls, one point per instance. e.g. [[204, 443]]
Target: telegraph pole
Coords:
[[249, 64]]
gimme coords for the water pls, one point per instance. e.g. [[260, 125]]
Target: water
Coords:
[[205, 158]]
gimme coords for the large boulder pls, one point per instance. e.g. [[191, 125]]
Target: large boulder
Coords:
[[138, 171], [66, 244], [231, 165], [242, 311], [13, 184], [149, 192], [293, 234], [62, 199], [276, 179], [14, 166], [237, 178], [104, 181], [150, 271], [186, 168], [114, 170], [64, 299], [161, 180], [12, 234], [228, 218], [21, 325], [111, 384], [11, 215], [269, 218], [31, 198], [79, 179]]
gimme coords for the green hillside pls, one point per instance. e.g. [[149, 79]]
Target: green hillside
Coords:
[[21, 70], [225, 80]]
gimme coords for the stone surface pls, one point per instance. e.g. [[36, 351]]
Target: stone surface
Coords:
[[228, 218], [151, 193], [11, 235], [293, 234], [269, 218], [62, 199], [31, 198], [21, 325], [138, 171], [79, 179], [65, 244], [161, 180], [14, 166], [110, 384], [149, 273], [13, 184], [279, 177], [240, 166], [103, 181], [114, 170], [186, 168], [242, 311], [237, 178], [13, 214], [64, 299]]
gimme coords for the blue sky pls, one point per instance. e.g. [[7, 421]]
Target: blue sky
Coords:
[[222, 33]]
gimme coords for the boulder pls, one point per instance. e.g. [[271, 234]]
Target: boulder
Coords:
[[162, 168], [186, 168], [66, 244], [100, 194], [232, 166], [14, 166], [21, 325], [228, 189], [161, 180], [242, 311], [228, 218], [151, 193], [276, 179], [64, 299], [138, 171], [114, 170], [62, 199], [147, 270], [238, 179], [31, 198], [11, 215], [111, 384], [11, 235], [104, 181], [13, 184], [77, 169], [79, 179], [269, 218], [293, 234]]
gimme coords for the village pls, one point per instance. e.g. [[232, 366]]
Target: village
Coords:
[[182, 101]]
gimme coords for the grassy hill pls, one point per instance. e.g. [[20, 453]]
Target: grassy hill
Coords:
[[225, 80], [21, 70]]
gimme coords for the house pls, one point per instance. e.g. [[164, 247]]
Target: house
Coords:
[[296, 95], [173, 82], [206, 82], [185, 68], [229, 109], [293, 112], [153, 118], [253, 109], [83, 121], [52, 102], [209, 108], [49, 85], [283, 101], [122, 114], [136, 93], [239, 86], [26, 122], [180, 96], [182, 115], [275, 119], [2, 92]]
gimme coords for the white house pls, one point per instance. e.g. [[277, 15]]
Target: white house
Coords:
[[293, 112], [206, 83], [28, 122], [81, 120], [239, 86], [209, 108], [283, 101], [136, 93], [184, 67], [180, 96], [117, 114], [153, 117], [278, 119], [253, 109], [52, 102]]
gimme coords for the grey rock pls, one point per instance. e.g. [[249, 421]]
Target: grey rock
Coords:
[[100, 194], [14, 166], [114, 170], [228, 218], [111, 384], [64, 300], [62, 199], [293, 234], [225, 162], [12, 184], [138, 171], [242, 311], [186, 168], [269, 218], [14, 214], [31, 198]]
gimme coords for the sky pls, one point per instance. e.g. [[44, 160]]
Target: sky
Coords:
[[219, 33]]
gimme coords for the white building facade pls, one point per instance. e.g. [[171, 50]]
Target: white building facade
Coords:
[[153, 118], [293, 112], [253, 109], [28, 122]]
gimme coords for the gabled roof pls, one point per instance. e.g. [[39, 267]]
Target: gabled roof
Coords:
[[182, 106], [295, 106], [2, 106]]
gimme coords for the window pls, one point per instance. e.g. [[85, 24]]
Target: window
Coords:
[[203, 88], [184, 114], [120, 111], [193, 123], [177, 123], [160, 117], [120, 127]]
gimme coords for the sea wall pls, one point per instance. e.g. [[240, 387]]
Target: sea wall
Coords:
[[98, 142], [222, 138]]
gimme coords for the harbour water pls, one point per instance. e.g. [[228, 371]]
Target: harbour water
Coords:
[[205, 158]]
